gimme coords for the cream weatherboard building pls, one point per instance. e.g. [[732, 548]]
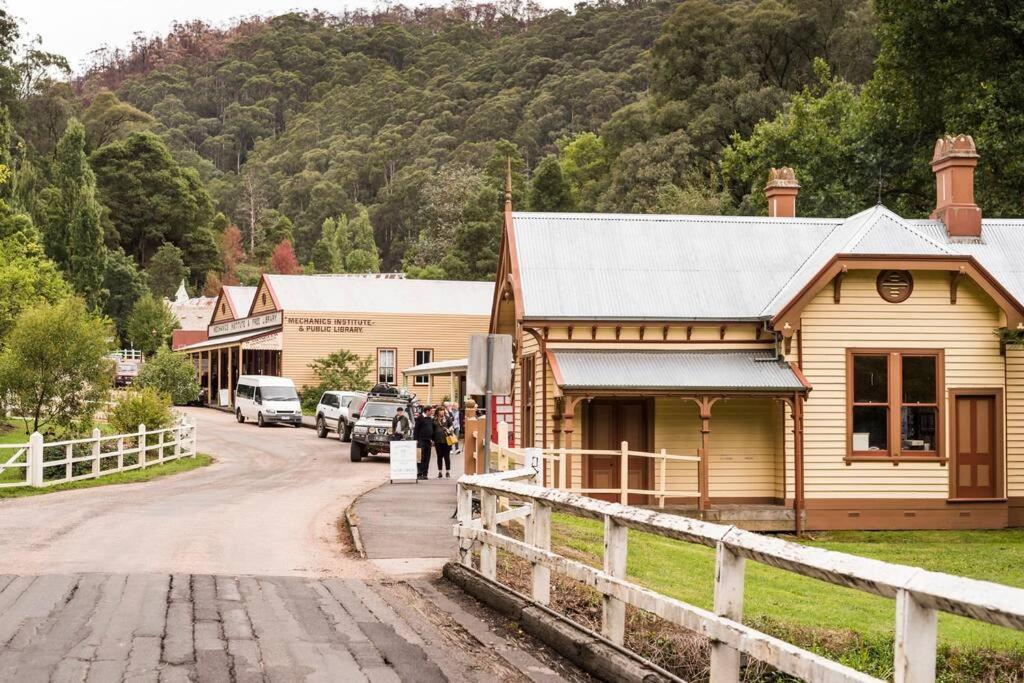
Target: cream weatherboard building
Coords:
[[831, 373], [286, 322]]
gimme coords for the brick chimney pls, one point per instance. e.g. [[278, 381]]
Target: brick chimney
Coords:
[[953, 163], [781, 192]]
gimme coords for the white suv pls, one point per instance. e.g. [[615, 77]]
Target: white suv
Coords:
[[334, 411]]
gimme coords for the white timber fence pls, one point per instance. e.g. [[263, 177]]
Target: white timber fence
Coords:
[[673, 472], [41, 463], [919, 595]]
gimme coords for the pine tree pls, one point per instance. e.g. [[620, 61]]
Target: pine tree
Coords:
[[549, 190], [74, 233]]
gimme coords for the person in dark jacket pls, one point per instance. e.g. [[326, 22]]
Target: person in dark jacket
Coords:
[[424, 435], [442, 430]]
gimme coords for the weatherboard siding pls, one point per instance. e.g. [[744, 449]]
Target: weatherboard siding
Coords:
[[1015, 421], [447, 335], [927, 320], [263, 302]]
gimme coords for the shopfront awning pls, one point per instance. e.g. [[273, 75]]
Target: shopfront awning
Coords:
[[674, 371], [247, 340], [441, 367]]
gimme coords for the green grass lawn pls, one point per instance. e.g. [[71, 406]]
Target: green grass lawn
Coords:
[[131, 477], [686, 572]]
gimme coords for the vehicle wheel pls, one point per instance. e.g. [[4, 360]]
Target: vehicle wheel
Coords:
[[321, 427], [259, 420], [356, 452], [239, 416], [344, 432]]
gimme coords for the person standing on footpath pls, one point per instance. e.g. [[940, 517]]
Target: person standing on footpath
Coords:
[[424, 435], [442, 437], [400, 427]]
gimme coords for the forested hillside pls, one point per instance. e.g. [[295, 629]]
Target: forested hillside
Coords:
[[379, 141]]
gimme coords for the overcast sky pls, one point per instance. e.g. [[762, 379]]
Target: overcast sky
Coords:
[[74, 28]]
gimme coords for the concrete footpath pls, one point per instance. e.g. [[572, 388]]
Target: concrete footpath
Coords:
[[406, 528]]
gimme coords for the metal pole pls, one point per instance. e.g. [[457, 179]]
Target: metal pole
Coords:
[[488, 407]]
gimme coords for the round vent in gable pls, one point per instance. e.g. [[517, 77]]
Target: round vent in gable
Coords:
[[895, 286]]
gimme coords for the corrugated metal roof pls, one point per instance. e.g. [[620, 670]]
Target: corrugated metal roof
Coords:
[[675, 370], [614, 266], [328, 293], [227, 340], [440, 367], [652, 267], [241, 298]]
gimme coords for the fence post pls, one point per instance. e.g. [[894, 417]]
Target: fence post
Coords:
[[35, 460], [489, 553], [613, 611], [729, 576], [538, 534], [96, 436], [624, 474], [562, 467], [194, 432], [916, 635], [503, 446], [465, 517], [664, 476], [179, 434], [142, 446], [160, 450]]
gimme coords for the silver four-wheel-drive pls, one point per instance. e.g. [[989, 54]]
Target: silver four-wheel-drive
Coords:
[[371, 434], [334, 413]]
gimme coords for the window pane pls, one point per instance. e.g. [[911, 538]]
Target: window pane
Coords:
[[918, 427], [870, 379], [870, 428], [919, 379]]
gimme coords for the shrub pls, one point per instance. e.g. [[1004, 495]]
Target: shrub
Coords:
[[172, 374], [143, 405], [339, 371]]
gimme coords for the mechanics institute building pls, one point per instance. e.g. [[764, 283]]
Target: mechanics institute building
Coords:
[[285, 323]]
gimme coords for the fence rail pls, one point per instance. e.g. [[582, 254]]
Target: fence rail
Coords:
[[41, 463], [561, 475], [919, 594]]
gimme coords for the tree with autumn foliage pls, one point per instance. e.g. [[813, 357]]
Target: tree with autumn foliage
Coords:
[[232, 253], [212, 285], [283, 259]]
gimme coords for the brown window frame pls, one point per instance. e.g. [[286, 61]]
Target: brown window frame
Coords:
[[894, 435], [394, 369], [421, 380]]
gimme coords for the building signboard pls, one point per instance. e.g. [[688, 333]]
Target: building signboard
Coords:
[[251, 324], [328, 324]]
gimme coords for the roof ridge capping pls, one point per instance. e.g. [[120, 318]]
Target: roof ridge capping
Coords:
[[670, 217]]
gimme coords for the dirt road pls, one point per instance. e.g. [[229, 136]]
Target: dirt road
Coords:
[[268, 506]]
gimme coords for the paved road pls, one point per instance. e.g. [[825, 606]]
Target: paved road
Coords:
[[268, 506]]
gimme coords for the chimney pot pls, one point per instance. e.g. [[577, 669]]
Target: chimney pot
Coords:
[[781, 192], [953, 163]]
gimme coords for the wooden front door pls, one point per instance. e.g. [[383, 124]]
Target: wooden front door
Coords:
[[609, 423], [976, 441]]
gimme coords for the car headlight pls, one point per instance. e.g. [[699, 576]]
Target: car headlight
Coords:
[[270, 411]]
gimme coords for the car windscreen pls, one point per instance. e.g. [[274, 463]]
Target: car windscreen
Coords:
[[278, 394], [380, 410]]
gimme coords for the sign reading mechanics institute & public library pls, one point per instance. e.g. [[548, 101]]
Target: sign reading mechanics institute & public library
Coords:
[[329, 324], [256, 322]]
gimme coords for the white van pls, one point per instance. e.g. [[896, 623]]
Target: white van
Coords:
[[267, 400]]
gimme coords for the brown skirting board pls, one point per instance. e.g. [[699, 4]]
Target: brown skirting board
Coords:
[[825, 514], [1016, 506]]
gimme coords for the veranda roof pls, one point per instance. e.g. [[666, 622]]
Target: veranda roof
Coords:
[[671, 370], [441, 367]]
